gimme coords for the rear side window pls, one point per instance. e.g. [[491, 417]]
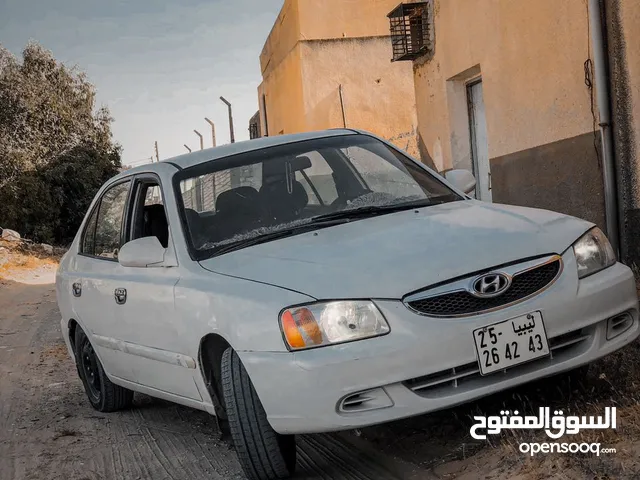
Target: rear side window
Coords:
[[103, 233], [89, 237]]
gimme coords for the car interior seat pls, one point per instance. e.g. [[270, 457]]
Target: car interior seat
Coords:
[[155, 224], [238, 210], [283, 206]]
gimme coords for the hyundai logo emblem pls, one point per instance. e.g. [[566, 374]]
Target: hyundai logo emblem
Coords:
[[490, 285]]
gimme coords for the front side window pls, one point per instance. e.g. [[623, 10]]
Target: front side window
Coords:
[[153, 196], [105, 240], [261, 195], [149, 217]]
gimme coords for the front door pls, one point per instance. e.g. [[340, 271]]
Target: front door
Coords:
[[147, 327], [130, 312], [479, 142]]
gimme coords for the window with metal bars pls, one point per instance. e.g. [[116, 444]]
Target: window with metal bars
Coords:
[[410, 30]]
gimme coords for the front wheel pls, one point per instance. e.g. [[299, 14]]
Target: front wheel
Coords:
[[104, 395], [264, 454]]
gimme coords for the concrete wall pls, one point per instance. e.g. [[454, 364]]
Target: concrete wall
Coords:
[[321, 20], [317, 45], [325, 19], [284, 98], [630, 12], [377, 94], [530, 56], [283, 37], [281, 68]]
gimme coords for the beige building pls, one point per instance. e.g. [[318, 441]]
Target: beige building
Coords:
[[507, 89], [326, 64]]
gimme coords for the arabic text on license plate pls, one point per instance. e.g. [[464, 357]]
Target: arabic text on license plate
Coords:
[[512, 342]]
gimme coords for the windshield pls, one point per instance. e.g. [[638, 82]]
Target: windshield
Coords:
[[294, 187]]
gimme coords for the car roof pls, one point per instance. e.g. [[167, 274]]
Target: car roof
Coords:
[[201, 156]]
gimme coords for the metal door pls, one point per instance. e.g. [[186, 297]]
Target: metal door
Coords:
[[479, 142]]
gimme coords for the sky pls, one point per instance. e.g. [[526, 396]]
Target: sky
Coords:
[[159, 65]]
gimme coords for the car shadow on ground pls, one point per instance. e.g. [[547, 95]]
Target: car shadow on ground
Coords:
[[414, 446], [440, 437]]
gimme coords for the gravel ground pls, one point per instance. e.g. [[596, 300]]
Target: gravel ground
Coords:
[[49, 431]]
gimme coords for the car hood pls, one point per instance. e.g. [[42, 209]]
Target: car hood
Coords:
[[391, 255]]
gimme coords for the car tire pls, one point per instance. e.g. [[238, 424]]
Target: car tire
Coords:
[[263, 453], [104, 395]]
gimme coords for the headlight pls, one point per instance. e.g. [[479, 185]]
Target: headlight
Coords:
[[331, 322], [593, 253]]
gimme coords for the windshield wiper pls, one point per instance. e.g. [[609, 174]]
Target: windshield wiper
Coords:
[[373, 210], [323, 221], [285, 232]]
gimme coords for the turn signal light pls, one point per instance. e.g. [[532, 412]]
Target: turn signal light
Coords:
[[300, 328]]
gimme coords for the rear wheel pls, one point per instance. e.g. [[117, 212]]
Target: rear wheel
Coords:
[[264, 454], [104, 395]]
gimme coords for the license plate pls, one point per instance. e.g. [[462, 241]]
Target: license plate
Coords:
[[510, 343]]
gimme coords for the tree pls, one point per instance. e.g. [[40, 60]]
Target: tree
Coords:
[[56, 148]]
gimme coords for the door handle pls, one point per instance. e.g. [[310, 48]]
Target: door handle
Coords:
[[76, 288], [120, 295], [489, 175]]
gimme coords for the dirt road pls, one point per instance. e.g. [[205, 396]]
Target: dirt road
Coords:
[[49, 431]]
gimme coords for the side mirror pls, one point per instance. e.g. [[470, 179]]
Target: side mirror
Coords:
[[142, 252], [461, 179]]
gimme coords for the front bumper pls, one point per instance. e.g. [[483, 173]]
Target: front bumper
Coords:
[[302, 391]]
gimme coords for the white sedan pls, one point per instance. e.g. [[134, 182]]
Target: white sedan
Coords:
[[326, 281]]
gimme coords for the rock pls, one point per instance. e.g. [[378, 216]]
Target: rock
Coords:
[[10, 235], [46, 248]]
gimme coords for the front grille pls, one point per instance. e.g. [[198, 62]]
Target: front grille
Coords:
[[467, 377], [461, 302]]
